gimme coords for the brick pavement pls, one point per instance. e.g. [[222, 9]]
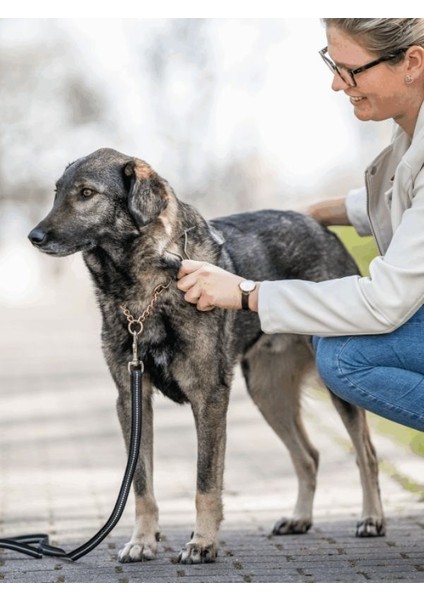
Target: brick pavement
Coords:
[[61, 460]]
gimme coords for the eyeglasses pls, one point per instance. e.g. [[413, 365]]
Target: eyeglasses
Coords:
[[348, 75]]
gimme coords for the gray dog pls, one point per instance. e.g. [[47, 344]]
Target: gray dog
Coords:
[[133, 233]]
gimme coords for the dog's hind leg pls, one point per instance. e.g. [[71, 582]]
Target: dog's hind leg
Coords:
[[210, 418], [143, 543], [273, 370], [372, 521]]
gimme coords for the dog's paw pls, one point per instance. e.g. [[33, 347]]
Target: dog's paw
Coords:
[[291, 526], [194, 554], [370, 527], [137, 552]]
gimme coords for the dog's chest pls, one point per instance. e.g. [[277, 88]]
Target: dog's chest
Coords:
[[159, 351], [159, 344]]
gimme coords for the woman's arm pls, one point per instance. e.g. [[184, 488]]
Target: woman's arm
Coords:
[[329, 212], [208, 286], [349, 210], [351, 305]]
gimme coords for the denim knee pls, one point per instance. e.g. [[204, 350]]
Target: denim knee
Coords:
[[369, 372], [327, 353]]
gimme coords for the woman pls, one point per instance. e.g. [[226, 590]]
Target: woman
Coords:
[[368, 331]]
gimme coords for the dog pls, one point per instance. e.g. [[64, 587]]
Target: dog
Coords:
[[133, 232]]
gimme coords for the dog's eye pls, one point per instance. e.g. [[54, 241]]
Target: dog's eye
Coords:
[[87, 193]]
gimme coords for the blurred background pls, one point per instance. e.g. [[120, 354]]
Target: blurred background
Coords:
[[237, 114]]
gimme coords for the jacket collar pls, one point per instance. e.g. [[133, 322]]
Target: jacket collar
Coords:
[[412, 150], [419, 127]]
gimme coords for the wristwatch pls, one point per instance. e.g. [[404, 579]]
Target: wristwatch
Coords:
[[246, 287]]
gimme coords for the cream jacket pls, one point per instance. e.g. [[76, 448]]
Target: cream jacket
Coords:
[[391, 207]]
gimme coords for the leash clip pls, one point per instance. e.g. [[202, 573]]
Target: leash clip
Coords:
[[135, 363]]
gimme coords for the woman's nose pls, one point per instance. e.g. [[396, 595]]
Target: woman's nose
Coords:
[[338, 83]]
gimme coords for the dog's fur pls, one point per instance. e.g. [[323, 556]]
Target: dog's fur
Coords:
[[130, 227]]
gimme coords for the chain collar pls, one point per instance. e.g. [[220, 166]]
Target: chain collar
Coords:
[[136, 325]]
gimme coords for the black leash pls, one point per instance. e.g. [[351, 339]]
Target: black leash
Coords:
[[25, 543]]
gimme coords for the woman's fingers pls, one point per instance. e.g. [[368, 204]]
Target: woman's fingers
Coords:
[[208, 286], [189, 274], [189, 266]]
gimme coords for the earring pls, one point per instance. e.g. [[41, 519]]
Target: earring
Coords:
[[408, 79]]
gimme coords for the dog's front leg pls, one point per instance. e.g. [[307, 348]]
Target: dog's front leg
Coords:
[[143, 543], [210, 419]]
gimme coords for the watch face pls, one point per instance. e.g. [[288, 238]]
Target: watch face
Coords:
[[247, 285]]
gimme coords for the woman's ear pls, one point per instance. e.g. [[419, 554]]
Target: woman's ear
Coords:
[[414, 63], [147, 196]]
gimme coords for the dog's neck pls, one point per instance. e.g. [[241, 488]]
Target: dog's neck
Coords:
[[129, 269]]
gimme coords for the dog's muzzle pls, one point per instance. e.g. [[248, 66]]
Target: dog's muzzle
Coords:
[[55, 244]]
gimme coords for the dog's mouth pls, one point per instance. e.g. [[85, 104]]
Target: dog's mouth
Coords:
[[59, 250]]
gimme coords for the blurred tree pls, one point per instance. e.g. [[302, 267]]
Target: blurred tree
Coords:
[[178, 62], [192, 77], [217, 106], [45, 96]]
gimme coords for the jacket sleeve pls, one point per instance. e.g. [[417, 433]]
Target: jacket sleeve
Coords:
[[356, 208], [355, 305]]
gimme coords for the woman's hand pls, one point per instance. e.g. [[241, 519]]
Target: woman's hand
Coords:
[[208, 286]]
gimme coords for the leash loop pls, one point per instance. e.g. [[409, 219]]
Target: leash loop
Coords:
[[42, 547]]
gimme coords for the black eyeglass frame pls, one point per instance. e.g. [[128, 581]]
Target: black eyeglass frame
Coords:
[[352, 72]]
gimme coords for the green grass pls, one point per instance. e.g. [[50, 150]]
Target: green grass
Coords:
[[410, 438], [363, 250], [406, 482]]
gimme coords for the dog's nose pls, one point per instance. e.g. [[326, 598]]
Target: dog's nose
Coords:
[[37, 236]]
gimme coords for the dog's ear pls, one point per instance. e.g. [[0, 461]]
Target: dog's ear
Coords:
[[147, 196]]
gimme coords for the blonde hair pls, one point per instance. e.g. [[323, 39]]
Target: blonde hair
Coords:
[[382, 36]]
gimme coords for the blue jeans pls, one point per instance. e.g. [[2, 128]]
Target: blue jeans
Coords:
[[381, 373]]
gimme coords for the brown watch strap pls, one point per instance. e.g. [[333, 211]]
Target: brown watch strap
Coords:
[[245, 300]]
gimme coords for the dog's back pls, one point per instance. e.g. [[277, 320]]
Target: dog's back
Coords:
[[275, 245]]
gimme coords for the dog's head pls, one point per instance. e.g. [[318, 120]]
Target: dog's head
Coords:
[[104, 197]]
